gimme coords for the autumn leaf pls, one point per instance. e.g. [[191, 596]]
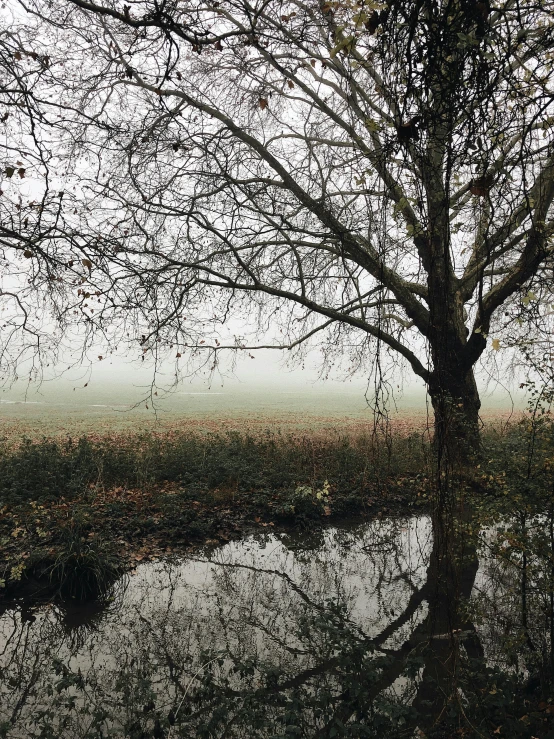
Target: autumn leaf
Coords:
[[262, 102], [480, 187], [9, 171], [346, 44], [86, 263], [479, 191], [528, 298], [371, 125], [408, 131], [496, 344], [372, 23]]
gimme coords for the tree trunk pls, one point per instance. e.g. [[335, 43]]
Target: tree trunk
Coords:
[[452, 383], [456, 404]]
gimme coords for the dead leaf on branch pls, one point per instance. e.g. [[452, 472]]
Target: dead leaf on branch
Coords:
[[481, 186], [375, 20], [262, 102], [409, 131], [345, 44]]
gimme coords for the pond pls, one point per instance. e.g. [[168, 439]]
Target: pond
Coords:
[[353, 631]]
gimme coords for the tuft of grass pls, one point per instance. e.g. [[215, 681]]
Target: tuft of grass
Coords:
[[85, 568]]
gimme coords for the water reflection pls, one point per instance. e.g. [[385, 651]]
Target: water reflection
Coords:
[[358, 632]]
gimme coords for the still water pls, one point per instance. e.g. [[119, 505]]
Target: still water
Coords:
[[348, 632]]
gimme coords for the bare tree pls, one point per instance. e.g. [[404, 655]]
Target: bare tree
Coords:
[[367, 175], [37, 247]]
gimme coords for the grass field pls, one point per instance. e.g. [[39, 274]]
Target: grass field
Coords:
[[59, 410]]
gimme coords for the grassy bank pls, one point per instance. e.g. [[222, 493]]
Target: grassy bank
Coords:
[[68, 505], [76, 513]]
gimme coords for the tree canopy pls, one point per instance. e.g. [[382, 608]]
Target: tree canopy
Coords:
[[367, 175]]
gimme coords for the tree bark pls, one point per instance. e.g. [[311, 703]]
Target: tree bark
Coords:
[[452, 385], [456, 405]]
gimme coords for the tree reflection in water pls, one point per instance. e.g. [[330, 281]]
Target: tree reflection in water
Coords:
[[360, 632]]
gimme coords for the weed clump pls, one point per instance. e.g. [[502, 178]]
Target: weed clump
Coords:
[[85, 567]]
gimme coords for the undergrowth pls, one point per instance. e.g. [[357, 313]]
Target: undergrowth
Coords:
[[61, 502], [72, 511], [49, 470]]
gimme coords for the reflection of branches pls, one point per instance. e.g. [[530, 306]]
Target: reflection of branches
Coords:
[[251, 641], [440, 649], [277, 573], [368, 644]]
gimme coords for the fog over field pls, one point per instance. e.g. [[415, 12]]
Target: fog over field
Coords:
[[117, 394]]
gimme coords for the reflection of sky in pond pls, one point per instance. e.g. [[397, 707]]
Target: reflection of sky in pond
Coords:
[[259, 599], [239, 637]]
